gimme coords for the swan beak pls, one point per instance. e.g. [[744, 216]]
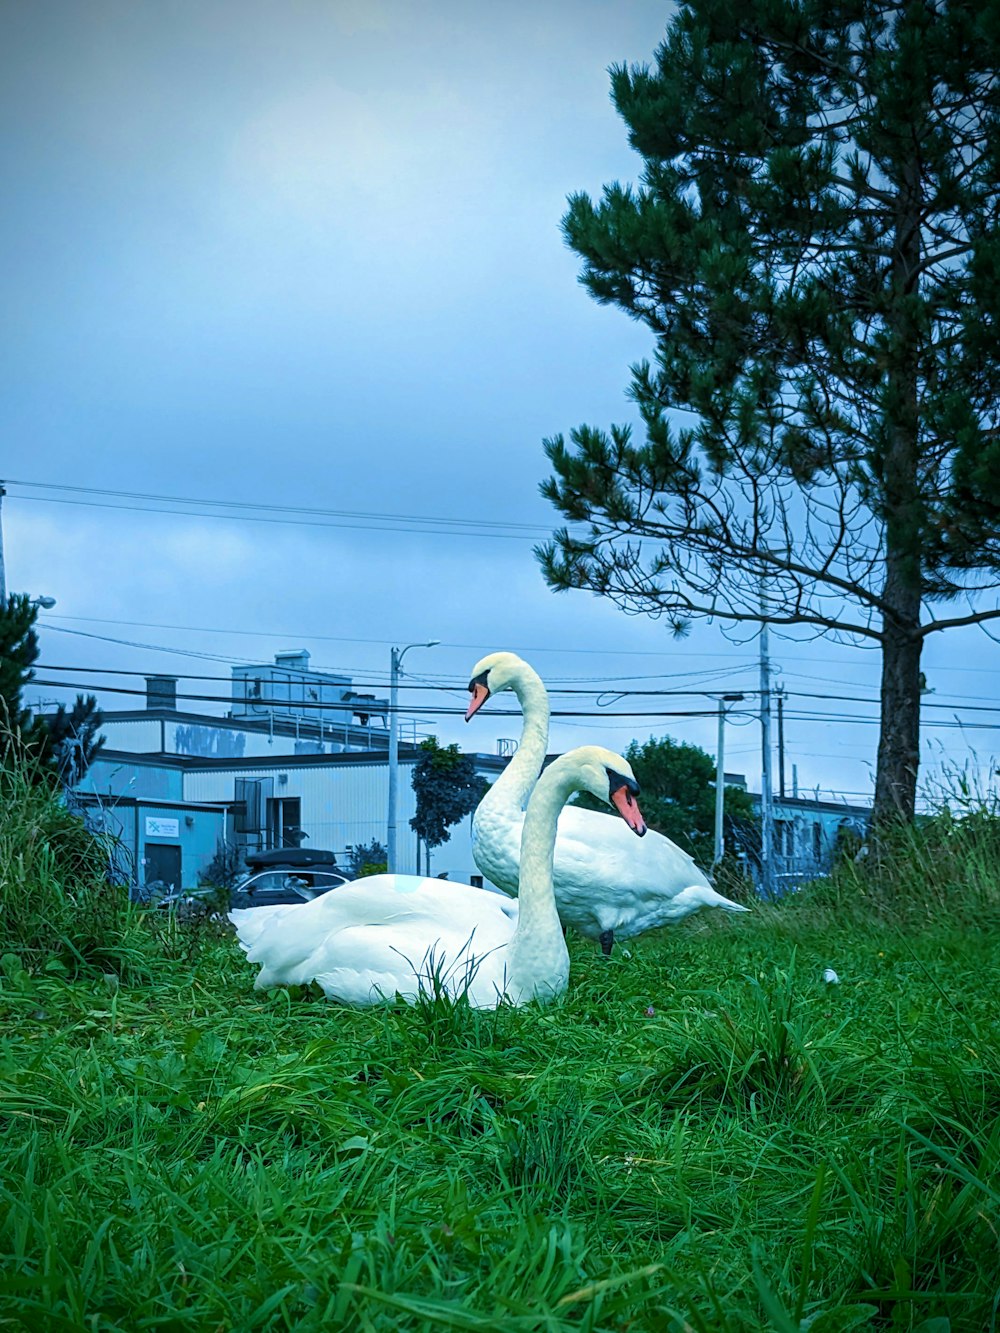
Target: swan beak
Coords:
[[479, 694], [624, 803]]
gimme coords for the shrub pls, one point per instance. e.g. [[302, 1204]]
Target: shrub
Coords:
[[366, 858], [55, 897]]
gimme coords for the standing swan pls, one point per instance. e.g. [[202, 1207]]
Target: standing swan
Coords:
[[605, 885], [400, 934]]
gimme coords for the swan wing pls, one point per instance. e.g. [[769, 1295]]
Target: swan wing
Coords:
[[383, 935], [605, 877]]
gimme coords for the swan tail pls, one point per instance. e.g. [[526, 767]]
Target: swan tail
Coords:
[[252, 922], [713, 899], [703, 895]]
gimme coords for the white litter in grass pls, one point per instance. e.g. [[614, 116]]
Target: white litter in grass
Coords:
[[830, 977]]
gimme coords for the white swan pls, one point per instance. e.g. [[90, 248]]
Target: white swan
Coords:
[[400, 934], [604, 884]]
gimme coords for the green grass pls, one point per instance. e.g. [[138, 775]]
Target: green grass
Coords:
[[763, 1151]]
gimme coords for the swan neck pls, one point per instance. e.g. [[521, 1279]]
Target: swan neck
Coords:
[[515, 783], [537, 914]]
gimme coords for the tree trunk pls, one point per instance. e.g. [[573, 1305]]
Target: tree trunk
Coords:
[[899, 738]]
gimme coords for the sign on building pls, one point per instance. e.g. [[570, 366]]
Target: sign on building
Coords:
[[162, 828]]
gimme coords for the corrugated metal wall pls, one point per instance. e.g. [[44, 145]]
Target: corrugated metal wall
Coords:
[[343, 805], [139, 737], [112, 778]]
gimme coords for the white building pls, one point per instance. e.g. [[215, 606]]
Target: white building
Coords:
[[281, 769]]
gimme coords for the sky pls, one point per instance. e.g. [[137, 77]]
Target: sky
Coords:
[[308, 254]]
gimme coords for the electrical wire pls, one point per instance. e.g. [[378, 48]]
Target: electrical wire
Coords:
[[425, 708], [560, 690], [348, 520], [356, 685]]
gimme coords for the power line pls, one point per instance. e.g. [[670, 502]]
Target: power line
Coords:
[[451, 688], [619, 693], [599, 713], [340, 638], [426, 708], [286, 522], [349, 520], [475, 523]]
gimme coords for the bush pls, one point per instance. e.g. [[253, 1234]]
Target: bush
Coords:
[[366, 858], [941, 865], [55, 898], [224, 869]]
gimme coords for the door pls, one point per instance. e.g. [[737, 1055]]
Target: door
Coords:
[[284, 818], [163, 862]]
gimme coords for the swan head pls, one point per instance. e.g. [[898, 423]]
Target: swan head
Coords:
[[609, 777], [490, 675]]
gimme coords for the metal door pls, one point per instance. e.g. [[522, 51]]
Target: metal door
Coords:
[[163, 862]]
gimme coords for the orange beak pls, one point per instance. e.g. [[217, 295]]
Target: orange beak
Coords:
[[479, 696], [629, 811]]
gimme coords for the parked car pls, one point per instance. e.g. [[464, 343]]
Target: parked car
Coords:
[[289, 875]]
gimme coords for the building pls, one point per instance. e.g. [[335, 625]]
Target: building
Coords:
[[808, 833], [275, 707], [299, 758]]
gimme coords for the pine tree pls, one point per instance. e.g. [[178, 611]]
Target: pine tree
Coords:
[[18, 654], [814, 245], [69, 740], [62, 745]]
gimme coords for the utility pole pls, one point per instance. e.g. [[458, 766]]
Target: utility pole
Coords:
[[781, 742], [3, 578], [720, 774], [766, 807], [395, 659]]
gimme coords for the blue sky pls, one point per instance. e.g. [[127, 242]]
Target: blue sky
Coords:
[[308, 254]]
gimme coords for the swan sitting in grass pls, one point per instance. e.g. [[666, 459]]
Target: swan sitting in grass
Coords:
[[393, 935], [605, 884]]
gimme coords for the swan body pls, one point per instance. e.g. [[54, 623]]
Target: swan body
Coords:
[[605, 884], [391, 935]]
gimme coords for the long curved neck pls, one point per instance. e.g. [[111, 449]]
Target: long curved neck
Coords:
[[515, 783], [538, 936]]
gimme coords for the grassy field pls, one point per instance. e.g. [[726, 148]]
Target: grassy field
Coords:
[[704, 1135]]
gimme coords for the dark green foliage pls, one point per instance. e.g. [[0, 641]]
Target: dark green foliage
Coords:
[[56, 903], [60, 746], [18, 653], [677, 782], [69, 740], [447, 789], [814, 247], [366, 858], [225, 867]]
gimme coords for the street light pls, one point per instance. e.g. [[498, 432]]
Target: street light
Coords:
[[395, 660], [720, 775], [45, 603]]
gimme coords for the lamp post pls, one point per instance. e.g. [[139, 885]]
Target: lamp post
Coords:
[[720, 773], [395, 660], [43, 603]]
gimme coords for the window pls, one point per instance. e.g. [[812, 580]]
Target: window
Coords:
[[785, 838]]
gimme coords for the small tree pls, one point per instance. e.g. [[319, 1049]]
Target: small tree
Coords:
[[678, 795], [447, 788], [69, 740], [225, 867], [366, 858], [18, 653], [65, 743]]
